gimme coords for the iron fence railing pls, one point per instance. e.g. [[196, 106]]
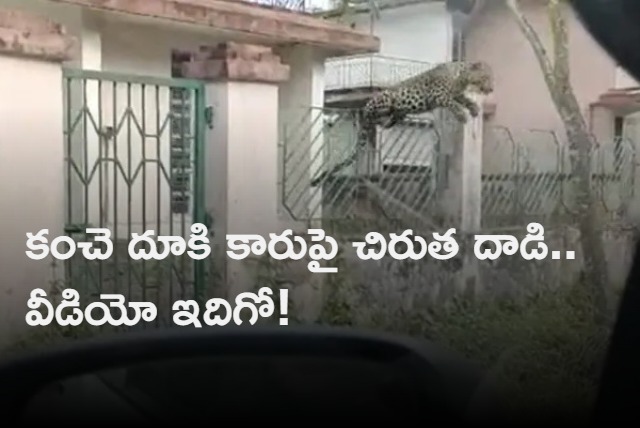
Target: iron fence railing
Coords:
[[292, 5], [365, 71], [298, 6], [313, 7], [527, 176], [327, 175]]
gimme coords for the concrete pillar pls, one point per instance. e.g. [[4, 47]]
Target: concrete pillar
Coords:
[[302, 131], [242, 148], [471, 195], [602, 124], [90, 59], [31, 154], [90, 42]]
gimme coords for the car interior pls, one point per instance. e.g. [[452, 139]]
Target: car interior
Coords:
[[282, 374]]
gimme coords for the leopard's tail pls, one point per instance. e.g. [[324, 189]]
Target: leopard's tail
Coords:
[[366, 127]]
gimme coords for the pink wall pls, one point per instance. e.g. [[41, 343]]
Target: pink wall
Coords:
[[523, 101]]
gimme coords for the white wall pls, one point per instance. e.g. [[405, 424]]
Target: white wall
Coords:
[[420, 32], [31, 184]]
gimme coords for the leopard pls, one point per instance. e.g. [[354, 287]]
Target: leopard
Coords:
[[442, 86]]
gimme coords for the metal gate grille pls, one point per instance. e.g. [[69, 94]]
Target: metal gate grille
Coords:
[[134, 161]]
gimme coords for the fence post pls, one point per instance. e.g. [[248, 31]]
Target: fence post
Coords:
[[471, 197], [32, 49]]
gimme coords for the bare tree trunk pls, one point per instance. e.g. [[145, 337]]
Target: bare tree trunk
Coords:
[[581, 143]]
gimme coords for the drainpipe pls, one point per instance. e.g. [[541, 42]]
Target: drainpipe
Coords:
[[463, 11]]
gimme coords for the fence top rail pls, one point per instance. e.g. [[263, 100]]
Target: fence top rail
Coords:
[[108, 76], [375, 57]]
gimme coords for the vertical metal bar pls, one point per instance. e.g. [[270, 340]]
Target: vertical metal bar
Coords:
[[199, 187], [339, 188], [129, 184], [172, 174], [516, 179], [68, 139], [143, 131], [116, 170], [183, 225], [102, 141], [85, 169], [158, 191]]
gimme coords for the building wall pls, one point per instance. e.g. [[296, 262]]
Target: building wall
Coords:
[[31, 186], [419, 32], [128, 46], [523, 100], [524, 105]]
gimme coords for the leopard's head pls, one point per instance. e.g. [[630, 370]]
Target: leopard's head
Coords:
[[480, 76]]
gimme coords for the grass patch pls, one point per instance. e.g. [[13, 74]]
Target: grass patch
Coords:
[[546, 351]]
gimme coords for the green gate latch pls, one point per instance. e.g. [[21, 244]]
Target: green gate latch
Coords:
[[208, 116]]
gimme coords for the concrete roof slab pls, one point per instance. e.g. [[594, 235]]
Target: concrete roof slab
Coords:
[[275, 26]]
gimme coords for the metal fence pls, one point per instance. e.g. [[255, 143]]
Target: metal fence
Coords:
[[327, 175], [299, 6], [527, 176], [407, 178], [133, 163], [372, 70]]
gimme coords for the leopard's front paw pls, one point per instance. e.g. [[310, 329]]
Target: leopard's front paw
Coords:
[[473, 110]]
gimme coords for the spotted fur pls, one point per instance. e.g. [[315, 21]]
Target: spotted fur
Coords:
[[443, 86]]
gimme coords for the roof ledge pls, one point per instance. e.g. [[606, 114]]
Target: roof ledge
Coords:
[[238, 16], [628, 98]]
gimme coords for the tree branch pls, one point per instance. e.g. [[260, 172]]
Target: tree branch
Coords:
[[580, 140], [560, 45], [533, 38]]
